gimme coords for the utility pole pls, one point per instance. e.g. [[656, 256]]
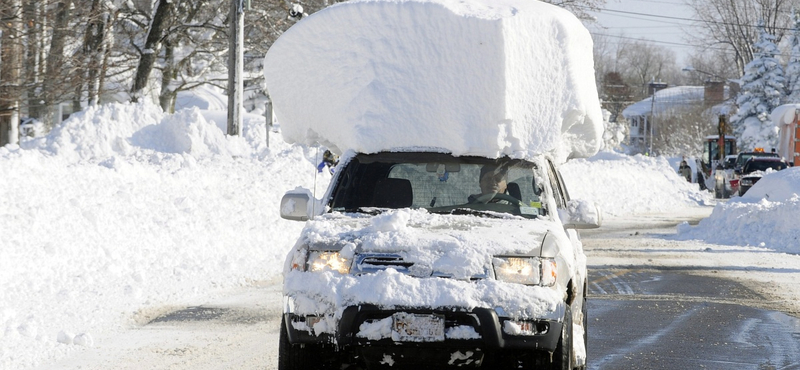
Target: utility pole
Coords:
[[236, 68], [654, 87], [268, 116]]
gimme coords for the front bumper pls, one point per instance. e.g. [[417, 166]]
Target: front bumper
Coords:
[[490, 330]]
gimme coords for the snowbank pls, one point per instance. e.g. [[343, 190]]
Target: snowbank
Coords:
[[622, 185], [766, 216], [474, 77], [123, 212]]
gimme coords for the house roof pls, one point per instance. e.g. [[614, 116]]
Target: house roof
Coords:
[[672, 98], [666, 99]]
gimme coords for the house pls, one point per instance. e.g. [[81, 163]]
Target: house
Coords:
[[669, 102]]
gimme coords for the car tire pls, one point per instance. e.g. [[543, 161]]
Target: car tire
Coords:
[[562, 356], [301, 357], [585, 322]]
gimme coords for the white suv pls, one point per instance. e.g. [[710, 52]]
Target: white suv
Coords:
[[405, 262]]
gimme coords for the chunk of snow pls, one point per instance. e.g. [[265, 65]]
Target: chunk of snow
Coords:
[[83, 339], [376, 330], [64, 337], [475, 77]]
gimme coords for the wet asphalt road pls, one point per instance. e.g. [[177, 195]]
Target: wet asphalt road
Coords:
[[646, 319]]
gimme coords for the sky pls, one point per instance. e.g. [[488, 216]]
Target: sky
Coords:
[[122, 211], [647, 19]]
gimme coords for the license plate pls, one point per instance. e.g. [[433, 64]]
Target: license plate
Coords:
[[409, 327]]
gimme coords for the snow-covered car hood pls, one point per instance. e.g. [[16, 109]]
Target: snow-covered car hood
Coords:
[[460, 248], [454, 246]]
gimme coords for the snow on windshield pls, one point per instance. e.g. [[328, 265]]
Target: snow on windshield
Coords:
[[476, 77]]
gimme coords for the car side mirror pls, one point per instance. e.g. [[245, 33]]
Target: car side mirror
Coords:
[[581, 214], [296, 204]]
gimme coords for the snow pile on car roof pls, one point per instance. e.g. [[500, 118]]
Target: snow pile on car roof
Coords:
[[472, 77]]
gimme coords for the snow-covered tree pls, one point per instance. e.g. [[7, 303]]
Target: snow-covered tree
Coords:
[[763, 86], [615, 131], [793, 67]]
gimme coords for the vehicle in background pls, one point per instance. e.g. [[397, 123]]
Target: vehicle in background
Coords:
[[712, 174], [743, 157], [734, 173], [730, 162], [755, 168]]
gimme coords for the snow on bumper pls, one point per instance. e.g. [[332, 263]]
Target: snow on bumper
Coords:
[[345, 308], [329, 293]]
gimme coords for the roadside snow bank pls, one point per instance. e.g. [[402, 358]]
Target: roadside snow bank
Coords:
[[766, 216], [474, 77], [623, 185], [123, 211]]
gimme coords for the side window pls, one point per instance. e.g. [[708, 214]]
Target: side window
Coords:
[[555, 182]]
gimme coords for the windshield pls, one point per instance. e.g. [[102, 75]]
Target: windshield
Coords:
[[439, 183], [756, 165], [743, 157]]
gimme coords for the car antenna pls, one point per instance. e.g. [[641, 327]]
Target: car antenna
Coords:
[[314, 188]]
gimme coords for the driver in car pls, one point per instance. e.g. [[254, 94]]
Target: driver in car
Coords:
[[493, 180]]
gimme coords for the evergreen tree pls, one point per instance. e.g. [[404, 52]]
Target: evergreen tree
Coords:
[[793, 67], [762, 90]]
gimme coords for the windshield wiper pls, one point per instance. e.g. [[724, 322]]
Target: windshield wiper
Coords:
[[372, 211], [470, 212], [477, 212]]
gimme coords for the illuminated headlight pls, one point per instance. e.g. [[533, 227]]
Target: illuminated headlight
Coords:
[[747, 182], [327, 260], [719, 176], [526, 270]]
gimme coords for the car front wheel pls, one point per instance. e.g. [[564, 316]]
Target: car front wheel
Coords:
[[562, 357], [302, 357]]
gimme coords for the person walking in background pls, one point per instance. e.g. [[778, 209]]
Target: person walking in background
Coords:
[[685, 171]]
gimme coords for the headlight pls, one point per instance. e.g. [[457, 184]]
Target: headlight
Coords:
[[526, 270], [747, 182], [327, 260]]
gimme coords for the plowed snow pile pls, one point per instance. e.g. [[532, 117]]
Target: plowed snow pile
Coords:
[[473, 77]]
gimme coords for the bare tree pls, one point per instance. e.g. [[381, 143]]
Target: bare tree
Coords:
[[580, 8], [616, 95], [731, 25], [35, 20], [152, 47], [10, 69], [683, 130], [90, 58], [642, 62]]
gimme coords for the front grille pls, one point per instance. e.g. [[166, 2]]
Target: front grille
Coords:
[[374, 262]]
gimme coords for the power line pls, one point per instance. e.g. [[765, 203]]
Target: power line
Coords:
[[655, 41], [722, 49], [683, 19]]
